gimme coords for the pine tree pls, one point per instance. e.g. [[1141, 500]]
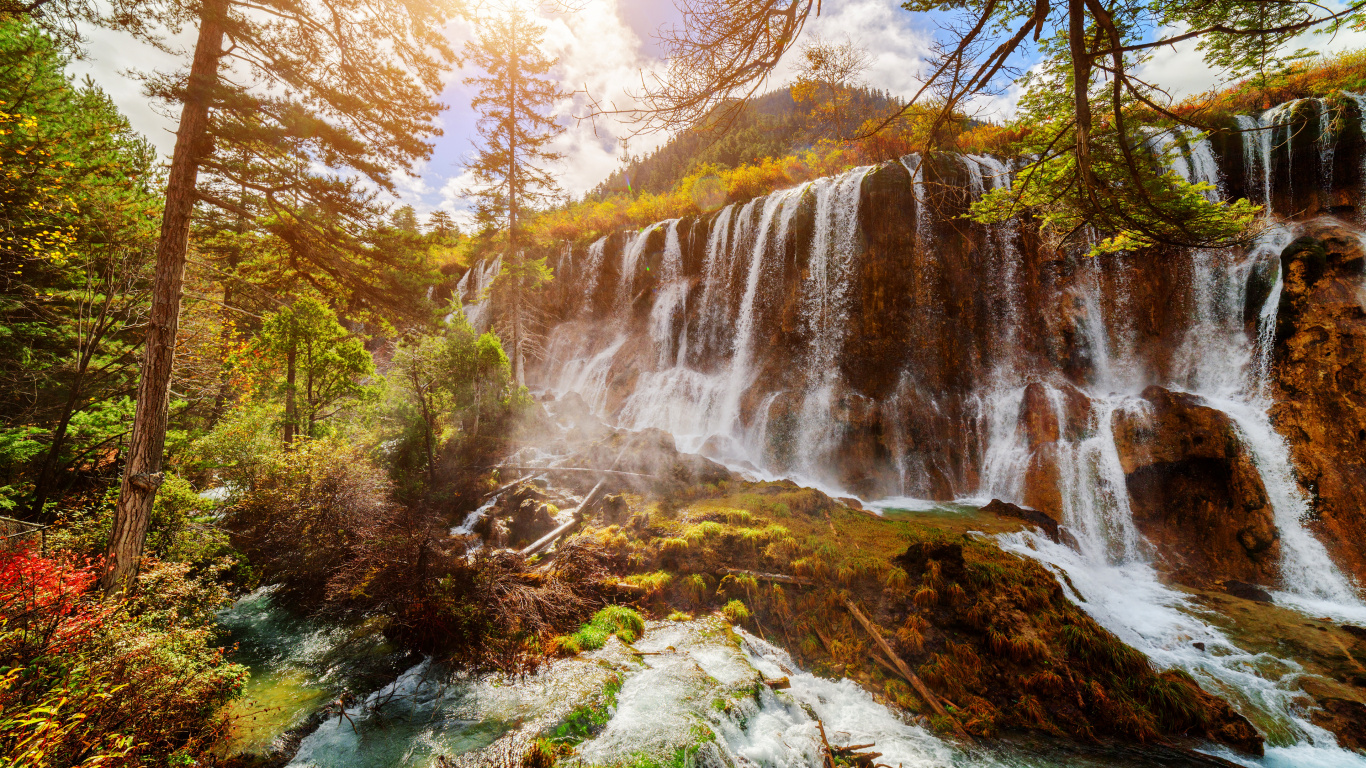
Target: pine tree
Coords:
[[441, 227], [514, 96]]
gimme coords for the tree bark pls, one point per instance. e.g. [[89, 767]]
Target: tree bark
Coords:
[[291, 401], [146, 445]]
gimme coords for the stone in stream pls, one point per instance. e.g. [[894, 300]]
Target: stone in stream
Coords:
[[1041, 519]]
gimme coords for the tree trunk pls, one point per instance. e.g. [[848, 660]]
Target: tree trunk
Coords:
[[142, 470], [291, 403], [428, 420], [43, 488], [478, 399]]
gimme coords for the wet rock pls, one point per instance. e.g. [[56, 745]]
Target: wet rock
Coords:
[[613, 508], [530, 521], [1047, 522], [1043, 481], [1195, 492], [1319, 376], [1225, 725], [1346, 720], [1038, 419], [654, 457], [1247, 591]]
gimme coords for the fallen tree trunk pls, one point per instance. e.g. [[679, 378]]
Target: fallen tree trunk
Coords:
[[550, 538], [539, 470], [761, 576], [905, 671]]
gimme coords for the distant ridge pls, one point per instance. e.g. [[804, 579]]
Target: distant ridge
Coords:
[[772, 125]]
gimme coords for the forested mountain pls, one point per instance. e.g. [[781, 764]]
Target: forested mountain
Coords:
[[772, 125]]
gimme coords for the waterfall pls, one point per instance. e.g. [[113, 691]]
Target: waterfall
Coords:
[[752, 356], [472, 287], [630, 262], [826, 308]]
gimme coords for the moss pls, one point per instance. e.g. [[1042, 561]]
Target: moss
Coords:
[[587, 720], [736, 612], [622, 621], [654, 582]]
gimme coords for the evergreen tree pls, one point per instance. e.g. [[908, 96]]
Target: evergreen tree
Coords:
[[514, 95], [441, 227], [77, 226]]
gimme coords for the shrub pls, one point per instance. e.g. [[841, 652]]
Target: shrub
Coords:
[[622, 621], [736, 612], [304, 515], [132, 682]]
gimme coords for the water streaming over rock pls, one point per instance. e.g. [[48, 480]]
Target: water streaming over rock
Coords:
[[858, 334]]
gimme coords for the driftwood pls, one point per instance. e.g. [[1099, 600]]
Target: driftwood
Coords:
[[905, 671], [760, 576], [506, 486], [550, 538], [849, 754], [539, 470]]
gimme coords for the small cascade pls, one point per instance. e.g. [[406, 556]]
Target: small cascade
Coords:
[[592, 272], [668, 315], [630, 264], [472, 289]]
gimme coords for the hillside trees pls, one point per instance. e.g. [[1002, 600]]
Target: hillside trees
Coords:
[[514, 94], [77, 222], [269, 90], [1100, 113], [446, 374]]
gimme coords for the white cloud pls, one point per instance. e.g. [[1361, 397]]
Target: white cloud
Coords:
[[890, 35], [1182, 71], [112, 60]]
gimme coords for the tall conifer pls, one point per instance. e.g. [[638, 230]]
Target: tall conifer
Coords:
[[514, 97]]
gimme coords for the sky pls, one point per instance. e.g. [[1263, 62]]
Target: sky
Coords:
[[604, 49]]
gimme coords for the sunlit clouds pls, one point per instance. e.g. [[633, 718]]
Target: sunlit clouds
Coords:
[[604, 52]]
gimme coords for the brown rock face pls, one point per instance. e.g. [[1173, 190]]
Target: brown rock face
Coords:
[[1194, 491], [1319, 376]]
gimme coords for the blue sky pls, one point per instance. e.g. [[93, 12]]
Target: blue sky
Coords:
[[605, 47]]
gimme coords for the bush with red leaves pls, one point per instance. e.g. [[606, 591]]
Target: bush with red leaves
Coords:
[[134, 681]]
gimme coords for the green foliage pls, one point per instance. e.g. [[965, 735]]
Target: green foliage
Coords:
[[736, 612], [331, 366], [304, 515], [622, 621], [448, 380], [245, 440], [79, 219]]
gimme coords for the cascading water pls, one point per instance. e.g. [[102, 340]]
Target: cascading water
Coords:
[[714, 379]]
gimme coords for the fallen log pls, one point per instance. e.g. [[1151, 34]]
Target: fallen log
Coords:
[[579, 513], [539, 470], [506, 486], [904, 670], [761, 576]]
